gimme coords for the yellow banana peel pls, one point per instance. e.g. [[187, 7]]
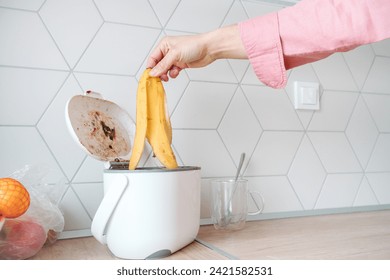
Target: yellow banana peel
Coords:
[[152, 123]]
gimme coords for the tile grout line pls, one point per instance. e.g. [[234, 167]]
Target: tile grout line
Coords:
[[216, 249]]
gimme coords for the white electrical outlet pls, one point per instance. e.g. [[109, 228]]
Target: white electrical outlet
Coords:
[[306, 95]]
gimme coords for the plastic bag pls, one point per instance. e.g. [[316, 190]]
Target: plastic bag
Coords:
[[23, 237]]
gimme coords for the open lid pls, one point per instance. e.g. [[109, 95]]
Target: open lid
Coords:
[[102, 128]]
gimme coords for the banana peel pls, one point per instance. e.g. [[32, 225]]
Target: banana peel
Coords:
[[141, 123], [152, 123]]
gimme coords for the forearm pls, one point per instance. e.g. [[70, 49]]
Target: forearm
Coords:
[[225, 42]]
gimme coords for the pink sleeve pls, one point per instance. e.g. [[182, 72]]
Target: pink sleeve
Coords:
[[309, 31]]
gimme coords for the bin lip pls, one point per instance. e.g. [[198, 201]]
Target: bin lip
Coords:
[[123, 167]]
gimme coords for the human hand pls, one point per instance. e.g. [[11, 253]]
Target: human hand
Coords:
[[175, 53]]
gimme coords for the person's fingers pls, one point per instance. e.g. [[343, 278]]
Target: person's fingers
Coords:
[[174, 72], [164, 77], [164, 65], [151, 62], [155, 57]]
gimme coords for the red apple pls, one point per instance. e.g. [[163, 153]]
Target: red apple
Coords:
[[21, 239]]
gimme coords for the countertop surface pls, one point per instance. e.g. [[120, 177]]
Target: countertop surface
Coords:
[[363, 235]]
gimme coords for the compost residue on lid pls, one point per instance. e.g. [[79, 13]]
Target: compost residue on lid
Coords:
[[96, 124]]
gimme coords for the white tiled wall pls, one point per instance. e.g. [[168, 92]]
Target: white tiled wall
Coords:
[[50, 50]]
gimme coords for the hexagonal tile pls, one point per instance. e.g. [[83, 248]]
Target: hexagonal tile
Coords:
[[219, 71], [382, 47], [115, 50], [202, 105], [339, 190], [378, 78], [380, 158], [235, 14], [365, 195], [75, 215], [277, 192], [239, 128], [25, 42], [307, 174], [359, 61], [31, 5], [335, 152], [274, 153], [164, 9], [136, 12], [175, 90], [255, 8], [188, 14], [26, 141], [90, 195], [334, 73], [378, 105], [204, 148], [273, 108], [362, 132], [336, 109], [69, 27], [250, 78], [380, 182], [91, 170], [18, 87], [53, 128], [239, 67]]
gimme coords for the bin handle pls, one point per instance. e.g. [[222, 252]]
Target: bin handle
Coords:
[[107, 207]]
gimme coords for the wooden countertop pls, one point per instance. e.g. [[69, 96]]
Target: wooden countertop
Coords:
[[364, 235]]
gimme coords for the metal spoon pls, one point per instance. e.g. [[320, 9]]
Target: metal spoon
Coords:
[[228, 214], [240, 166]]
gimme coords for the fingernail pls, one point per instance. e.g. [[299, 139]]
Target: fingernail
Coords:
[[153, 72]]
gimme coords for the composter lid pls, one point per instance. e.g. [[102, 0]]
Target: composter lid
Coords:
[[101, 127]]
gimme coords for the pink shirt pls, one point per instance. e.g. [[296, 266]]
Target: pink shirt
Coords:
[[309, 31]]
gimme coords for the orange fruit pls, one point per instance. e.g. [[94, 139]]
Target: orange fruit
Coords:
[[14, 198]]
